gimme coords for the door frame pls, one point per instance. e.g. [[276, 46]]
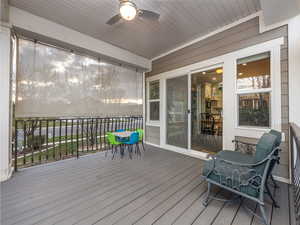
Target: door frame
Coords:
[[190, 102]]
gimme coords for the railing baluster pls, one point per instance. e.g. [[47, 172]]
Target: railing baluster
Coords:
[[40, 141], [72, 146], [16, 146], [87, 135], [47, 137], [96, 134], [66, 138], [59, 148], [82, 135], [32, 141], [100, 138], [53, 137], [105, 131], [92, 134], [77, 139], [25, 142]]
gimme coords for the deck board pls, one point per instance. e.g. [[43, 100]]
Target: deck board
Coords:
[[161, 188]]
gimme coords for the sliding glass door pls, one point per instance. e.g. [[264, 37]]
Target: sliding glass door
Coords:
[[207, 110], [177, 111]]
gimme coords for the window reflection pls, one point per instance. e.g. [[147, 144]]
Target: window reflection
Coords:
[[254, 72], [254, 109], [154, 90]]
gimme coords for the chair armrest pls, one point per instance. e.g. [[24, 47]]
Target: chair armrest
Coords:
[[271, 156], [243, 142]]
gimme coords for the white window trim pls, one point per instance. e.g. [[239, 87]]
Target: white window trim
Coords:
[[252, 91], [274, 90], [148, 100]]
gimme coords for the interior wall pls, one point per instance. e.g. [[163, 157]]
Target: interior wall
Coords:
[[241, 36]]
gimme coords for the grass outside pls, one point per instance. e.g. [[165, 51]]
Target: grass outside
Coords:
[[63, 151]]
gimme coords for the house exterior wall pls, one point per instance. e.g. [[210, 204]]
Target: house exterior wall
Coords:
[[241, 36], [152, 135]]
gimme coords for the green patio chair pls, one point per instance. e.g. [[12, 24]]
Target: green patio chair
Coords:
[[243, 174], [112, 140], [141, 137]]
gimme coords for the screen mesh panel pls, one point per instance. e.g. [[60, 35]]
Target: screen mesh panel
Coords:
[[55, 83]]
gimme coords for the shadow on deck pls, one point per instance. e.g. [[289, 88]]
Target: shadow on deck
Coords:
[[160, 188]]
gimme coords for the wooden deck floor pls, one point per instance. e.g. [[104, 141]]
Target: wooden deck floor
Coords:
[[161, 188]]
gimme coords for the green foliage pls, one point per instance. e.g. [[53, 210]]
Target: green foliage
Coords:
[[34, 142]]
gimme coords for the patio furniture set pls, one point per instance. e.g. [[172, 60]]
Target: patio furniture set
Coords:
[[123, 139]]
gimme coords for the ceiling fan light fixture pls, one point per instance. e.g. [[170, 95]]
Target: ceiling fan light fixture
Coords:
[[128, 10]]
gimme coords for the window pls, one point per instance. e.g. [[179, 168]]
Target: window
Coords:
[[254, 90], [153, 101]]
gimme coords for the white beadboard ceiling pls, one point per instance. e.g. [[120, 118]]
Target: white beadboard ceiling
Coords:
[[181, 20]]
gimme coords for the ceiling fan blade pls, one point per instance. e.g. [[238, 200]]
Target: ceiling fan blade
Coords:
[[147, 14], [114, 19]]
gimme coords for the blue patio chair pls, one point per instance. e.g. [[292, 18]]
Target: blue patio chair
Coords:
[[133, 141], [243, 174]]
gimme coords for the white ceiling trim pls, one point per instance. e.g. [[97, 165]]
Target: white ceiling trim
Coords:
[[257, 14], [39, 25]]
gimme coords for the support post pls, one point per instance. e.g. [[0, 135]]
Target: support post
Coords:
[[5, 109]]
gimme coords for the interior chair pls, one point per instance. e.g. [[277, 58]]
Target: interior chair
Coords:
[[243, 174]]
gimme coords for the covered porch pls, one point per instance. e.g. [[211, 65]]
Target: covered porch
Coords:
[[85, 86]]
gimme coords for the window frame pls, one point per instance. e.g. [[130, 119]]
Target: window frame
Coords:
[[269, 90], [148, 121]]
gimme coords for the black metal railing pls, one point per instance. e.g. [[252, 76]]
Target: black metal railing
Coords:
[[43, 140], [295, 172]]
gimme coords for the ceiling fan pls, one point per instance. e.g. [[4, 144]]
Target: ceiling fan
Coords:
[[129, 11]]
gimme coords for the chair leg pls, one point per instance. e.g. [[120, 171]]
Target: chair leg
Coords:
[[274, 182], [130, 151], [143, 146], [138, 149], [113, 152], [205, 202], [263, 214], [271, 196]]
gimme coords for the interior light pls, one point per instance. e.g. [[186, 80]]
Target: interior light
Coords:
[[240, 74], [219, 71], [204, 73], [244, 64], [128, 10]]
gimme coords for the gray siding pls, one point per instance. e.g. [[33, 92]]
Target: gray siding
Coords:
[[152, 135], [238, 37]]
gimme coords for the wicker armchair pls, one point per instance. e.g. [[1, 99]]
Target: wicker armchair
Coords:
[[244, 174]]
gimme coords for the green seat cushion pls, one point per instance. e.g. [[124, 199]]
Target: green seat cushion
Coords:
[[236, 156]]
